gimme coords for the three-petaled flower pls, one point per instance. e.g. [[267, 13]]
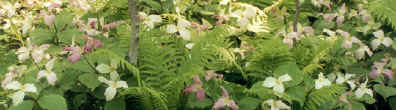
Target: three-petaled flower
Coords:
[[381, 39], [112, 69], [111, 91], [276, 105], [277, 84], [196, 87], [48, 73], [150, 20], [225, 101], [182, 28], [322, 81], [363, 90], [379, 68], [37, 53], [18, 96], [347, 78]]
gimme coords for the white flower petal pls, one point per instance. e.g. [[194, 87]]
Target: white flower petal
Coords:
[[185, 34], [279, 88], [189, 45], [50, 64], [17, 97], [51, 78], [104, 80], [30, 88], [183, 23], [387, 41], [282, 105], [14, 85], [122, 84], [110, 93], [269, 82], [171, 28], [103, 68], [375, 43], [379, 33], [285, 77], [41, 74], [114, 75], [155, 18]]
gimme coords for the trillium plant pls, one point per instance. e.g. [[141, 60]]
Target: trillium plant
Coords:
[[197, 55]]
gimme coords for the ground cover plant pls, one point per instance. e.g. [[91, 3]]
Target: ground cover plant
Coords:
[[197, 54]]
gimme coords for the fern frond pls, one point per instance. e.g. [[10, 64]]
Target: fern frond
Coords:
[[323, 96], [384, 10], [148, 97]]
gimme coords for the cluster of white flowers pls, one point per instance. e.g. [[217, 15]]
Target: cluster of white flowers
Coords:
[[278, 87]]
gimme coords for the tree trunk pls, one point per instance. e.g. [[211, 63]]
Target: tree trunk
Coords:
[[297, 15], [134, 43]]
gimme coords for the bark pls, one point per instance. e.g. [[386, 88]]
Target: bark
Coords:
[[297, 15], [134, 43]]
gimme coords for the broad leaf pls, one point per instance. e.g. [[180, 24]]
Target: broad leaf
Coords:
[[53, 102]]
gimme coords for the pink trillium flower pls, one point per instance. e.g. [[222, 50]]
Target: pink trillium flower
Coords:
[[92, 42], [379, 68], [49, 19], [76, 52], [196, 87], [225, 101], [112, 25]]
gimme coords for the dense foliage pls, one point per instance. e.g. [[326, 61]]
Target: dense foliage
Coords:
[[198, 55]]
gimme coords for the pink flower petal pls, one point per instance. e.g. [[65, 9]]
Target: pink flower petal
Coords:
[[197, 80], [224, 93], [389, 74], [200, 94], [74, 57], [111, 25], [219, 104], [88, 47], [190, 89], [374, 73], [49, 19], [233, 105], [97, 43]]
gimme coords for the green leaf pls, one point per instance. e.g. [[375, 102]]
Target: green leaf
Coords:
[[67, 36], [41, 36], [385, 91], [194, 103], [63, 19], [115, 104], [357, 106], [25, 105], [293, 71], [393, 62], [53, 102], [90, 80], [249, 103], [297, 93], [392, 102]]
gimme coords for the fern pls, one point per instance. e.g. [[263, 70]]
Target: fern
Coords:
[[384, 10], [324, 96], [148, 97]]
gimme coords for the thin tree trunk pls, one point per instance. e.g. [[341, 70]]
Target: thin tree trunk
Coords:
[[297, 15], [134, 43]]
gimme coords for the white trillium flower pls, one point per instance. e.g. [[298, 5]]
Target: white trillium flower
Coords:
[[277, 84], [48, 73], [112, 69], [111, 91], [381, 39], [360, 53], [18, 96], [24, 52], [363, 90], [347, 78], [276, 105], [182, 28], [322, 81], [38, 53], [150, 20]]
